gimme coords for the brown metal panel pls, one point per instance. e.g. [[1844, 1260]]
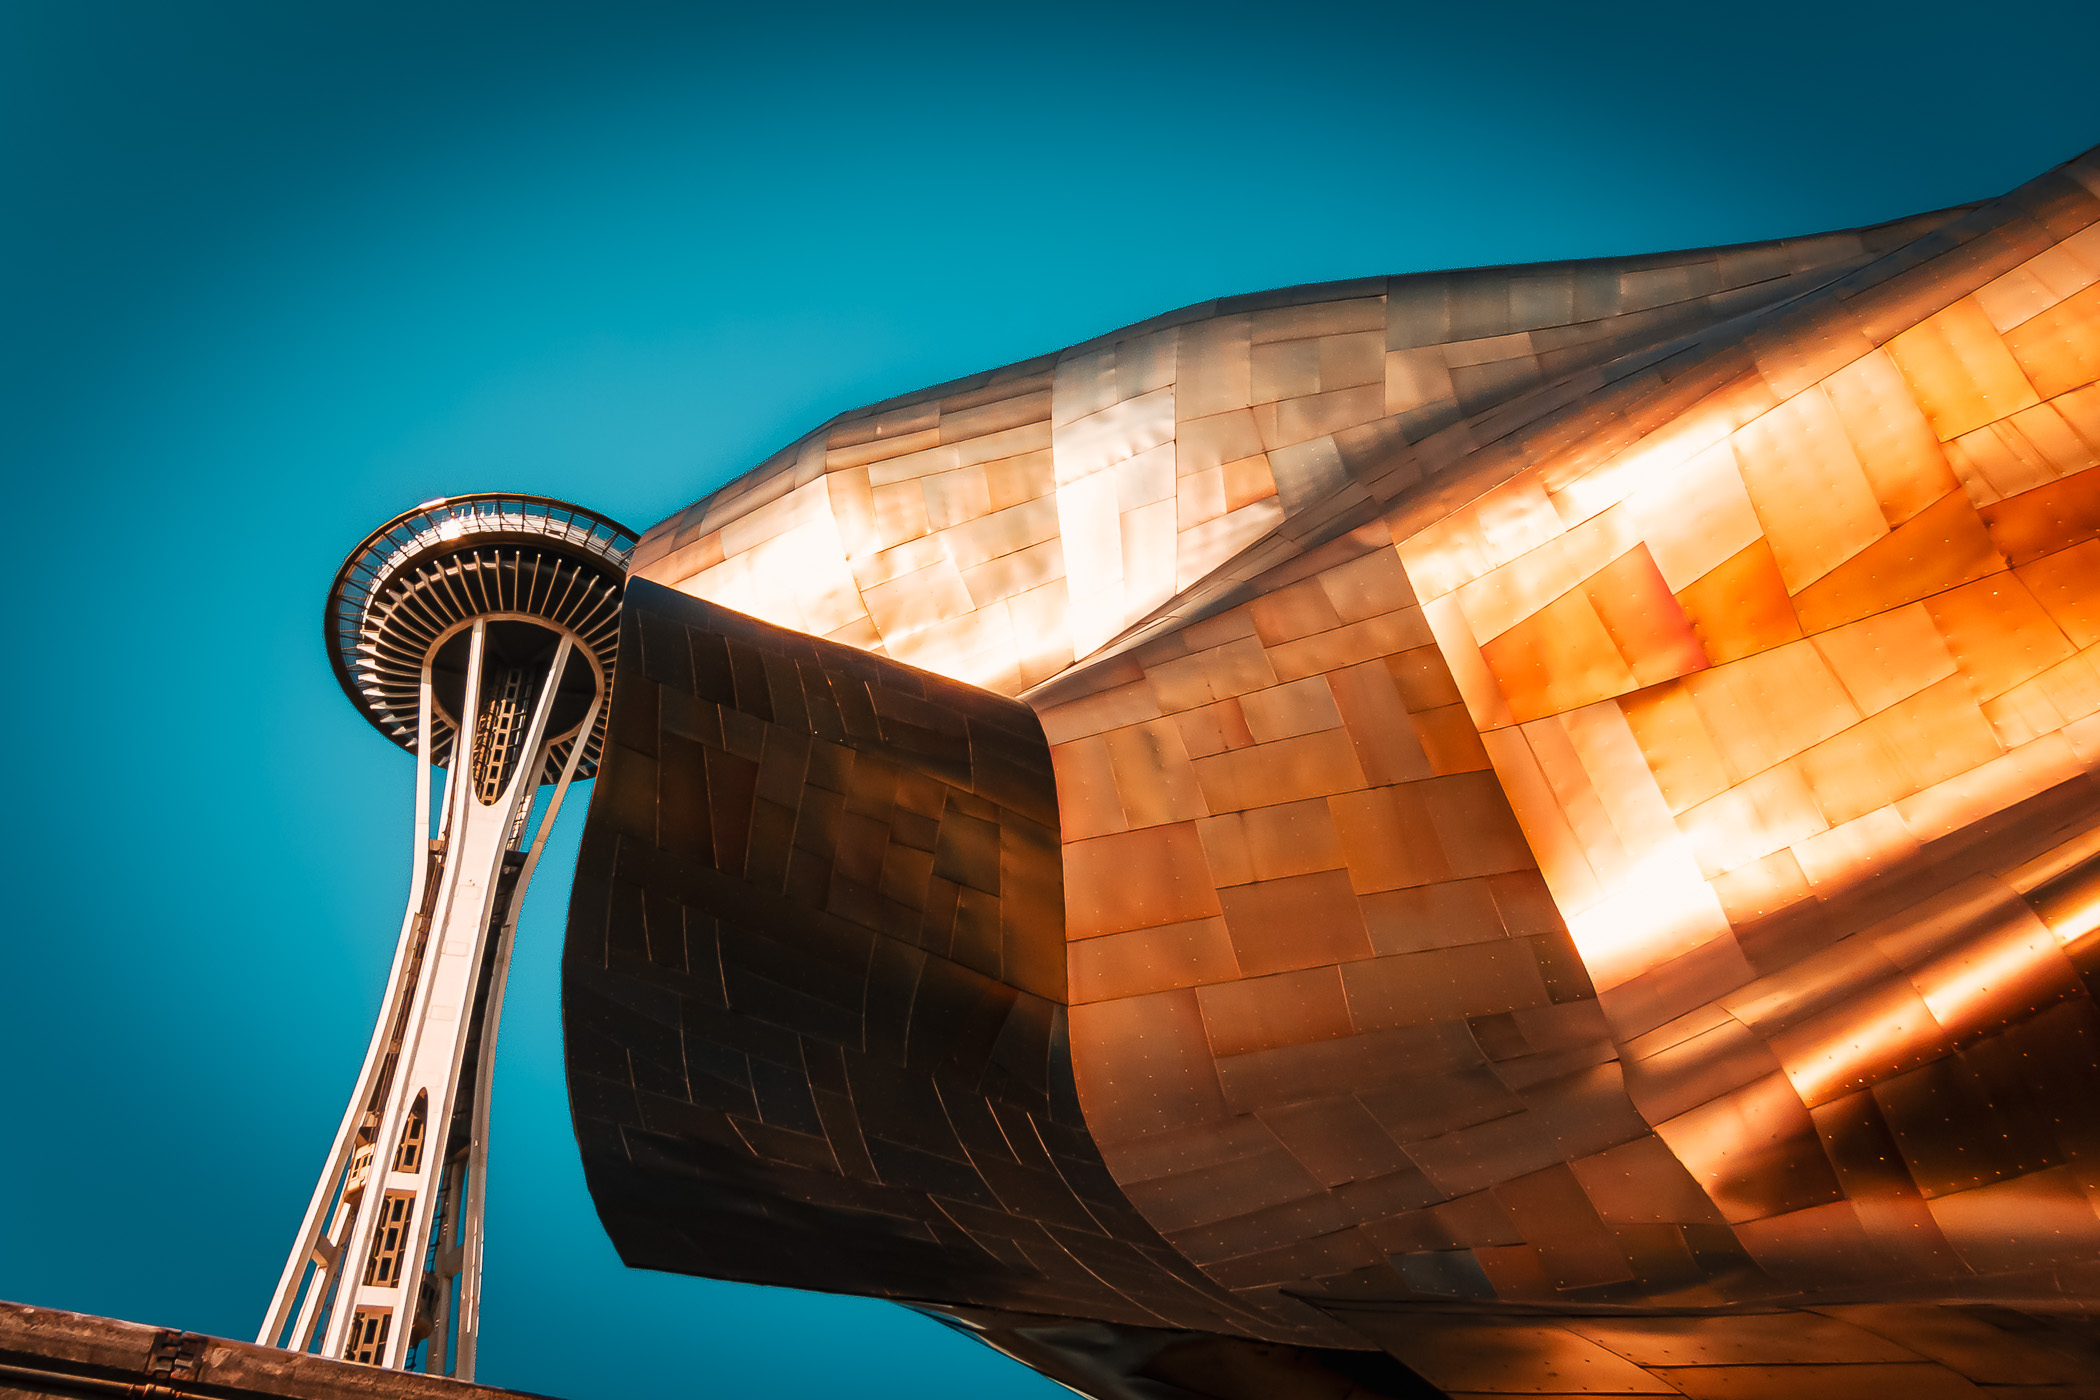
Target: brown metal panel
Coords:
[[1151, 960], [1143, 1065], [1259, 1013], [1302, 921], [1136, 880]]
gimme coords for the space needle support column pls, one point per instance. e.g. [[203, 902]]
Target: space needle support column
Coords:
[[376, 1322], [476, 1182]]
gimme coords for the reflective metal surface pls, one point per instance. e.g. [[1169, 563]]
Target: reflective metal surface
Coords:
[[1576, 788]]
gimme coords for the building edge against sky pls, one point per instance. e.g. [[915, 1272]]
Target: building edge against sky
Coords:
[[1573, 822]]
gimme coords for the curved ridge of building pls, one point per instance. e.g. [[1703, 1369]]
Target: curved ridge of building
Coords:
[[1541, 822]]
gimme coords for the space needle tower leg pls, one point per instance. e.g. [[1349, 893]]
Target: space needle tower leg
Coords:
[[504, 642]]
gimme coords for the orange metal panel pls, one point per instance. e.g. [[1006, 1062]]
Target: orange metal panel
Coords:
[[1883, 658], [1389, 745], [2067, 585], [1247, 480], [1291, 838], [1285, 711], [1943, 545], [1645, 621], [1424, 680], [1290, 613], [1388, 838], [1890, 435], [1214, 728], [1153, 776], [1768, 707], [1367, 587], [1474, 823], [1754, 1151], [2046, 519], [1559, 658], [1151, 960], [1143, 1065], [1960, 371], [1741, 606], [1750, 892], [1356, 641], [1312, 765], [1449, 740], [1443, 914], [1688, 767]]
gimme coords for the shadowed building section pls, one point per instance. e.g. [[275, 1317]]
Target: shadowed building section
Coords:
[[1576, 796], [814, 980]]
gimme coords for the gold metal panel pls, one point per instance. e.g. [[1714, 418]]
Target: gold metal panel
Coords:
[[2059, 349], [1999, 634], [1888, 656], [1891, 436], [2067, 585], [1961, 373], [1741, 606], [1943, 545], [1815, 503]]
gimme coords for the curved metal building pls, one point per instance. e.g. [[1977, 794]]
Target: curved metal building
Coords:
[[1519, 831]]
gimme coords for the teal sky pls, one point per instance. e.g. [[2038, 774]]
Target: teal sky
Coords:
[[272, 272]]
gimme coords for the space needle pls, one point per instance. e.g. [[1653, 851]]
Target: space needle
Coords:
[[477, 632]]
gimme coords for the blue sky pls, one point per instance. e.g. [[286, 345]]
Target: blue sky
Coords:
[[271, 272]]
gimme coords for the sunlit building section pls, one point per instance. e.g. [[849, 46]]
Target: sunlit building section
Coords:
[[1519, 831]]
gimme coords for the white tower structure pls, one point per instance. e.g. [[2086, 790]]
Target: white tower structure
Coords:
[[478, 632]]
